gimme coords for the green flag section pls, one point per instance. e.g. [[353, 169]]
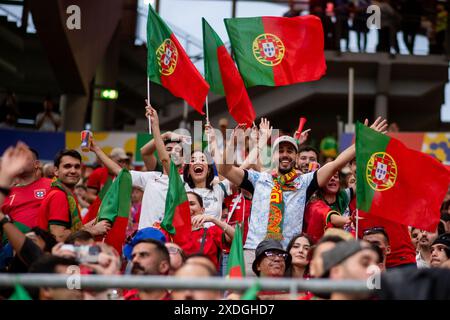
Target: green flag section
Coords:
[[177, 214], [20, 293], [115, 208], [274, 51], [236, 265], [169, 65], [94, 207], [224, 78], [252, 292], [397, 183]]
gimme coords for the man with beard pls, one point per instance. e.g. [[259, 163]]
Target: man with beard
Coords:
[[149, 257], [305, 156], [60, 212], [423, 257], [280, 196], [25, 198]]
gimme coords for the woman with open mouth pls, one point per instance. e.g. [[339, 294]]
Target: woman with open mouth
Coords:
[[199, 175]]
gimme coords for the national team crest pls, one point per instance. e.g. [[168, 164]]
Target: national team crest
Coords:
[[268, 49], [381, 172], [167, 57], [39, 193]]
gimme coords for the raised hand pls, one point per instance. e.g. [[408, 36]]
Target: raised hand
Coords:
[[14, 160], [303, 136], [380, 125], [152, 114]]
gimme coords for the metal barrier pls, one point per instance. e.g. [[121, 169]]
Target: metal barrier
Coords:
[[169, 282]]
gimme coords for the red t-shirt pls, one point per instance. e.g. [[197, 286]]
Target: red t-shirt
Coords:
[[213, 243], [23, 203], [402, 249], [242, 212], [55, 210], [133, 294], [317, 219], [98, 178]]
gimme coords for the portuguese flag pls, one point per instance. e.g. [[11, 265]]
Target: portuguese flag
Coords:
[[224, 78], [169, 65], [274, 51], [397, 183], [236, 265], [177, 214], [115, 208]]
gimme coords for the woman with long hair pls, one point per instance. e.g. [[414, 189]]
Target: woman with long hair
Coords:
[[299, 248]]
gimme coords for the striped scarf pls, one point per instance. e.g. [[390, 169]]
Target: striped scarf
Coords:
[[74, 212], [281, 183]]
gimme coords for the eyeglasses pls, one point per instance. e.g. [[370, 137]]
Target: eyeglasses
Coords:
[[173, 250], [272, 255]]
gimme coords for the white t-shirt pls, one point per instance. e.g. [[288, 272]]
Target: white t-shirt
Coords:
[[156, 184], [213, 199], [48, 124]]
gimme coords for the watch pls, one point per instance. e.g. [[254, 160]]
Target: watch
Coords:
[[6, 219]]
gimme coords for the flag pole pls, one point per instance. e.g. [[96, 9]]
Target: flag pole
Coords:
[[148, 101], [207, 121]]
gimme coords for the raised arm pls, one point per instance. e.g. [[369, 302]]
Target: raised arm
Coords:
[[107, 161], [148, 152], [229, 171], [160, 147], [326, 172]]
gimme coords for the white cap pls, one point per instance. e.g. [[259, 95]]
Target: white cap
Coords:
[[287, 139], [119, 153]]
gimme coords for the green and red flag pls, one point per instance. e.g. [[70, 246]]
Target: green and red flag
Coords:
[[177, 214], [170, 66], [236, 265], [397, 183], [223, 77], [95, 205], [20, 293], [115, 208], [274, 51]]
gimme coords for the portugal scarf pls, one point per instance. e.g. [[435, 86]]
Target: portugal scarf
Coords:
[[74, 213], [281, 183]]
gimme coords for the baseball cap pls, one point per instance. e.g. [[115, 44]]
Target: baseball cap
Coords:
[[119, 153], [341, 252], [443, 239], [266, 245], [146, 233], [287, 139]]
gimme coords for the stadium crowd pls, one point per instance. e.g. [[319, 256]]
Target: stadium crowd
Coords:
[[298, 216]]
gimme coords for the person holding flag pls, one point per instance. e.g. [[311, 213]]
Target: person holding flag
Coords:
[[280, 196]]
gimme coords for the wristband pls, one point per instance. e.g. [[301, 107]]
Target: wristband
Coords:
[[5, 191]]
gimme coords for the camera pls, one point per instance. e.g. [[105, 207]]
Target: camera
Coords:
[[84, 254]]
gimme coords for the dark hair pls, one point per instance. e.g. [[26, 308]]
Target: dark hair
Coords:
[[376, 230], [81, 235], [199, 198], [441, 228], [188, 179], [66, 152], [288, 272], [47, 264], [307, 148], [48, 238], [160, 248], [35, 153]]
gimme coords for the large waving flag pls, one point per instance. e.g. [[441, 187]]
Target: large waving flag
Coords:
[[224, 78], [115, 208], [169, 65], [95, 206], [236, 265], [274, 51], [397, 183], [177, 214]]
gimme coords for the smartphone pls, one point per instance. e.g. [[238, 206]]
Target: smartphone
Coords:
[[88, 254]]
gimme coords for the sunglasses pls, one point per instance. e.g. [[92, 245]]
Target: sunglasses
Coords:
[[373, 230], [272, 255]]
